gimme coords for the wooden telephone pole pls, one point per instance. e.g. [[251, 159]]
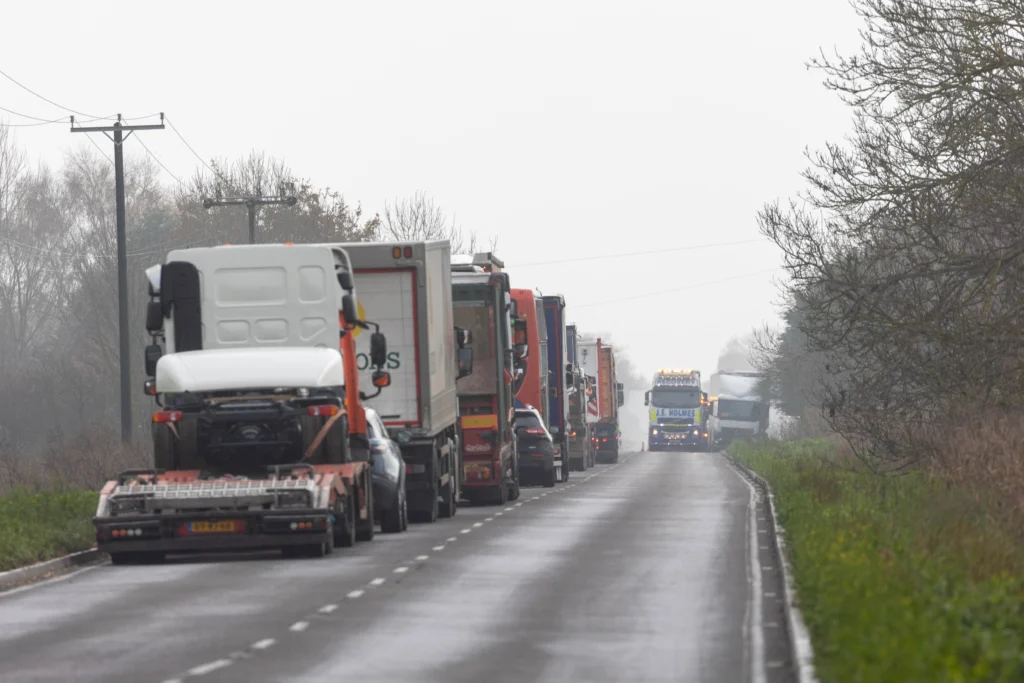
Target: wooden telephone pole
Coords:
[[119, 130]]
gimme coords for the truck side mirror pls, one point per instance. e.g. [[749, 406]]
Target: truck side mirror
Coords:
[[647, 398], [348, 309], [513, 308], [463, 336], [378, 350], [345, 280], [153, 354], [465, 362], [519, 338], [381, 379], [154, 316], [568, 378], [553, 392]]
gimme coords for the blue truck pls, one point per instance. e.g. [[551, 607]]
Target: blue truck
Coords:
[[678, 411], [577, 387], [557, 405]]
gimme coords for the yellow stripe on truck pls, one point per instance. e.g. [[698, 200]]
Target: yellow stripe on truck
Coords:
[[480, 422]]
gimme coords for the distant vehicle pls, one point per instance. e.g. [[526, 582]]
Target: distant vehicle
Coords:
[[536, 448], [678, 415], [390, 507], [738, 409], [605, 437]]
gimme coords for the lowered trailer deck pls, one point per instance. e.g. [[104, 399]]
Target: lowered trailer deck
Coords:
[[145, 514]]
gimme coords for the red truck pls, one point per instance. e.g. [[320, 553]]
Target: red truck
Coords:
[[482, 304]]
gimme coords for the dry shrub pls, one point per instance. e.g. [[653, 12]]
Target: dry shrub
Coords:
[[983, 453], [84, 461]]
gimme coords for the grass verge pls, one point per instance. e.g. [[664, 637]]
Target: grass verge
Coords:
[[900, 579], [37, 526]]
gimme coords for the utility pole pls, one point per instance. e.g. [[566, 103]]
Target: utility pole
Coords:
[[250, 202], [119, 130]]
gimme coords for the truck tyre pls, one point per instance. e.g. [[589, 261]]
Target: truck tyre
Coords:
[[187, 446], [344, 524], [365, 529], [163, 450]]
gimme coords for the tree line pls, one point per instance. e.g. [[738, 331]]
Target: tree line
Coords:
[[903, 315]]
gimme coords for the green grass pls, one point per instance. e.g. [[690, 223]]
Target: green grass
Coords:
[[900, 579], [36, 526]]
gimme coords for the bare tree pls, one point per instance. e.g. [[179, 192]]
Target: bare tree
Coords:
[[419, 218]]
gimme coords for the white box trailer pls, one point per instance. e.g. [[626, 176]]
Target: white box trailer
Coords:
[[406, 288]]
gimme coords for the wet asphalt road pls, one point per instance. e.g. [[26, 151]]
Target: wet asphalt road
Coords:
[[640, 571]]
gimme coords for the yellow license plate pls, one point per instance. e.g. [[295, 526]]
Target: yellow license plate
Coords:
[[224, 526]]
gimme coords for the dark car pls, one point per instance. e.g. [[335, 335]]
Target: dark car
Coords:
[[389, 503], [605, 437], [536, 448]]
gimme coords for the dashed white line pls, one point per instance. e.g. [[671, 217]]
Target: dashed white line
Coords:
[[438, 548], [498, 514], [401, 570], [263, 644], [209, 667], [465, 531], [422, 558], [477, 525], [354, 594], [452, 539], [327, 609], [509, 509], [299, 626], [519, 505], [378, 582]]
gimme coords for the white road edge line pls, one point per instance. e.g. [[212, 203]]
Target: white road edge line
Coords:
[[378, 582], [263, 644], [209, 667], [48, 582], [299, 626], [352, 595], [758, 673]]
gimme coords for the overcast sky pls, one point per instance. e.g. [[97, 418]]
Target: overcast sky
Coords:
[[566, 129]]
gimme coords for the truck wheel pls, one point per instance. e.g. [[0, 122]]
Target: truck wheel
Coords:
[[344, 524], [187, 446], [163, 448], [549, 478], [121, 559], [366, 528]]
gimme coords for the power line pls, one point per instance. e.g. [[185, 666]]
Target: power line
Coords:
[[678, 289], [637, 253], [201, 160], [153, 157], [41, 121], [45, 99]]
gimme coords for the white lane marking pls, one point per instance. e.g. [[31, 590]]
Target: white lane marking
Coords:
[[401, 570], [438, 548], [477, 525], [498, 514], [422, 558], [509, 509], [489, 519], [753, 622], [263, 644], [465, 531], [327, 609], [299, 626], [354, 594], [173, 680], [452, 539], [209, 667], [378, 582], [47, 582]]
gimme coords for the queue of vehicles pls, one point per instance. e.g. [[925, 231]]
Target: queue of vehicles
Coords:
[[308, 394]]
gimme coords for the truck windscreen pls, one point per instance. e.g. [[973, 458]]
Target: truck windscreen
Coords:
[[683, 397], [478, 318], [729, 409]]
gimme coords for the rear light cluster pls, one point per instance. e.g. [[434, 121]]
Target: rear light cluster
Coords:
[[325, 410], [165, 416], [300, 526], [124, 533], [535, 430]]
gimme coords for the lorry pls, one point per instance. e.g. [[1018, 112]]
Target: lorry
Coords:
[[532, 392], [611, 398], [260, 440], [738, 409], [581, 455], [678, 411], [557, 402], [483, 305], [589, 355], [406, 288]]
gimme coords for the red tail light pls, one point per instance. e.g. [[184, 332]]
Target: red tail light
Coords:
[[604, 439], [164, 416], [327, 410], [535, 430]]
